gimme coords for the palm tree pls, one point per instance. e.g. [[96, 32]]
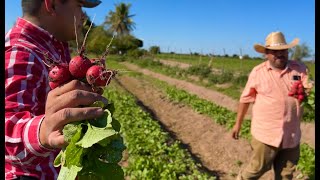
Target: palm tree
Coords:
[[120, 21]]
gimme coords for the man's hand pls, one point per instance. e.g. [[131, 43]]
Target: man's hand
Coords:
[[242, 110], [62, 107], [235, 131]]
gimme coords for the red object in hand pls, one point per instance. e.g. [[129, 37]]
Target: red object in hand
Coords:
[[297, 91], [290, 93]]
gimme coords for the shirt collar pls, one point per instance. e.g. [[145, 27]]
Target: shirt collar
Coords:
[[288, 66], [36, 30], [41, 36]]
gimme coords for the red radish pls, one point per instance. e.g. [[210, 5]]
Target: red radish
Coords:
[[53, 85], [300, 91], [295, 86], [300, 97], [78, 66], [95, 76], [290, 93], [60, 73], [294, 91]]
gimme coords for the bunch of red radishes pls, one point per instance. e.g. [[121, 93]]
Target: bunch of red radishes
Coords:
[[297, 91], [92, 71]]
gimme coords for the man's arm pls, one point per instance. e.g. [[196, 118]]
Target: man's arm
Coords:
[[24, 78], [242, 110], [32, 125], [248, 96]]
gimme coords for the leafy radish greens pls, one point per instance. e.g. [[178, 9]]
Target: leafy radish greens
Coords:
[[94, 150]]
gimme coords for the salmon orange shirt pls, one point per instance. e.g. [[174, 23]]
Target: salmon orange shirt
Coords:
[[275, 115]]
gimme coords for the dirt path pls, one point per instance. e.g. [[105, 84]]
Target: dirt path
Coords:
[[202, 92], [209, 142], [308, 129], [181, 65]]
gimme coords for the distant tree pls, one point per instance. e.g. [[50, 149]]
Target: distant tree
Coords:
[[246, 56], [154, 50], [98, 39], [299, 52], [235, 56], [127, 42], [120, 21]]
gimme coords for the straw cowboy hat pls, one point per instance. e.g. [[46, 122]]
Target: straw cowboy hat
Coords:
[[275, 41]]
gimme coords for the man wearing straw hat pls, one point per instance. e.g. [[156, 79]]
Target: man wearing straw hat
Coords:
[[275, 123], [34, 117]]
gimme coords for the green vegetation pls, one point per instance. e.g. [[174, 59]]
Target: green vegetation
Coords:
[[94, 150], [226, 118], [152, 152], [237, 82], [231, 64]]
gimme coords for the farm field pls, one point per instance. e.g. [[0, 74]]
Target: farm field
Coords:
[[227, 83], [205, 136], [222, 63]]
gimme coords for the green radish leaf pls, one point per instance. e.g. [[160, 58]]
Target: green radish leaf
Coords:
[[112, 171], [94, 135], [58, 160], [70, 130], [103, 171], [116, 125], [310, 101], [89, 142], [74, 155], [111, 153], [110, 107], [105, 142], [103, 120], [69, 173]]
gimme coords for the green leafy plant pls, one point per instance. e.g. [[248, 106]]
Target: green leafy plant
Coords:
[[152, 152], [95, 147]]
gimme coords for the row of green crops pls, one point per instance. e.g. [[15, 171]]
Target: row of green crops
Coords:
[[226, 63], [233, 91], [153, 154], [227, 118], [223, 63], [184, 74], [221, 116]]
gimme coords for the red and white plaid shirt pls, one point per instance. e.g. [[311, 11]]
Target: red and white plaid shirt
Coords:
[[26, 90]]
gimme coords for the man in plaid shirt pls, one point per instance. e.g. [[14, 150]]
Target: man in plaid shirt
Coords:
[[34, 117]]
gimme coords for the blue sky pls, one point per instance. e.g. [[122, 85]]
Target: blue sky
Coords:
[[207, 26]]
